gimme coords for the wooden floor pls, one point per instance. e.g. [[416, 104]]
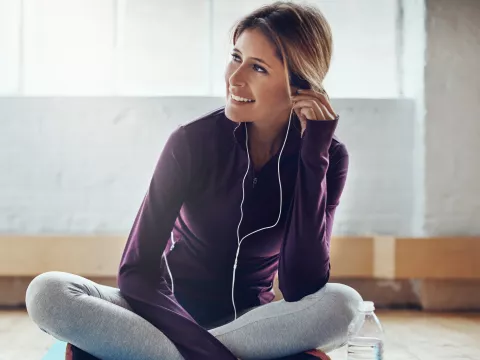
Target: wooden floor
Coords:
[[410, 335]]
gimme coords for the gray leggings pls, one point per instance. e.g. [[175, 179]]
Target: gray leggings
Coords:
[[97, 319]]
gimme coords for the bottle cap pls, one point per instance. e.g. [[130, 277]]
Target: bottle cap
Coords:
[[367, 306]]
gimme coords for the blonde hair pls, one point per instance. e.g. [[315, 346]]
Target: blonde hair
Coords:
[[302, 38]]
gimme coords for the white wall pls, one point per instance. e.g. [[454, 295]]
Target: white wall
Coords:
[[452, 99], [82, 165], [9, 46], [165, 48]]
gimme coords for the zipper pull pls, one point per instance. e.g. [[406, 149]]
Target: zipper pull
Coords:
[[254, 182], [173, 241]]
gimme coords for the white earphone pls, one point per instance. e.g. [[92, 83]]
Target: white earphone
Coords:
[[241, 206]]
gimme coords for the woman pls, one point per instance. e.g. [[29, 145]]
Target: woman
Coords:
[[237, 195]]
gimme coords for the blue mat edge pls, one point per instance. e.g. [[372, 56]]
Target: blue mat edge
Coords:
[[56, 351]]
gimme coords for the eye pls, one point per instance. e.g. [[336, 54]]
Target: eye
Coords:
[[259, 69], [256, 67], [235, 57]]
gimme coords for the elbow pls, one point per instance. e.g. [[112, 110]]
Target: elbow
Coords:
[[290, 296], [297, 289], [297, 293]]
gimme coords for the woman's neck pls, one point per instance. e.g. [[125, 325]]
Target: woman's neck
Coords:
[[264, 142]]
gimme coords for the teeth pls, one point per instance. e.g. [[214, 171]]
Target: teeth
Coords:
[[238, 98]]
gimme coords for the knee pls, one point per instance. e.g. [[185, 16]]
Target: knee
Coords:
[[338, 309], [44, 298], [346, 304]]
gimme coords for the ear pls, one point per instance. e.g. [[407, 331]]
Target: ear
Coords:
[[293, 90]]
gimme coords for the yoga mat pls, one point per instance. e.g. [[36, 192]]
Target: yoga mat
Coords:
[[56, 352]]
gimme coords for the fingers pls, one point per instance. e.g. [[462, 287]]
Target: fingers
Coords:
[[326, 102], [309, 108], [297, 111], [323, 97], [313, 110], [327, 110]]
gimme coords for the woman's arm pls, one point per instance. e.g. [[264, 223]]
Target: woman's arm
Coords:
[[304, 264], [140, 279]]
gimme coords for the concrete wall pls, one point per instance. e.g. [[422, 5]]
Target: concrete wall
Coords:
[[452, 123], [82, 165]]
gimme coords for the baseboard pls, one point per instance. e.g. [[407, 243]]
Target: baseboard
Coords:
[[83, 255]]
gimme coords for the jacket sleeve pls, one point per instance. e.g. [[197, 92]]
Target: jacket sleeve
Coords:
[[304, 264], [140, 279]]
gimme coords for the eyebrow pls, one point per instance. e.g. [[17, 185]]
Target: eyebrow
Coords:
[[254, 58]]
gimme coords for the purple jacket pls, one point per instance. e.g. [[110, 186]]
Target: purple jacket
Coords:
[[193, 203]]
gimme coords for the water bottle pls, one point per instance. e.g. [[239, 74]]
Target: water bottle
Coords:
[[365, 335]]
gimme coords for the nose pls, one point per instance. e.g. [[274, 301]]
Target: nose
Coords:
[[237, 78]]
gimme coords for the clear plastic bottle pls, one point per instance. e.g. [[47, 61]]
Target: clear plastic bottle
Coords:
[[365, 335]]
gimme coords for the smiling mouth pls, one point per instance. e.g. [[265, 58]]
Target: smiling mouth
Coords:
[[241, 99]]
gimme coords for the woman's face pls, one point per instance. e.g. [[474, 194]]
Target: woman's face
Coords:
[[256, 74]]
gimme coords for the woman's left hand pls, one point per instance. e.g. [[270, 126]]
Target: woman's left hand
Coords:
[[312, 105]]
